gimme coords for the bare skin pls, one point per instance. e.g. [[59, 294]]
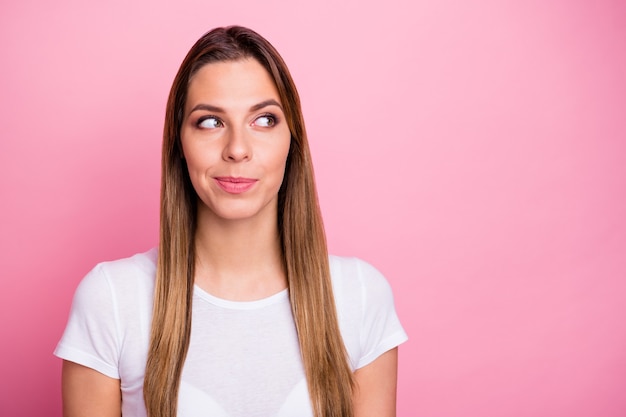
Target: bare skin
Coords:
[[88, 393], [234, 127], [375, 393]]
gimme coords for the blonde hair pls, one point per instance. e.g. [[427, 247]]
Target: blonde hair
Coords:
[[305, 255]]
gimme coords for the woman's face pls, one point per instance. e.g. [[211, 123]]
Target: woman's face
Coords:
[[235, 140]]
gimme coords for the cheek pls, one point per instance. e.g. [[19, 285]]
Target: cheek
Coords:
[[193, 163], [196, 166], [280, 158], [195, 157], [192, 171]]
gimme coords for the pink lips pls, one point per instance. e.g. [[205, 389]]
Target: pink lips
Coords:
[[234, 185]]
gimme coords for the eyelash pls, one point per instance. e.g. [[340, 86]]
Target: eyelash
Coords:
[[205, 118], [273, 120]]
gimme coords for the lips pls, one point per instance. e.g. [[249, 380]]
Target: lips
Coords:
[[235, 185]]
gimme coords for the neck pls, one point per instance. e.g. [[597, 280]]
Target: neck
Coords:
[[238, 260]]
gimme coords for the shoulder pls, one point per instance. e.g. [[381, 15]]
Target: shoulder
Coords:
[[351, 274], [141, 264], [109, 321], [118, 280], [136, 268], [365, 309]]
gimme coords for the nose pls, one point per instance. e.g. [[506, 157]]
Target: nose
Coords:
[[237, 146]]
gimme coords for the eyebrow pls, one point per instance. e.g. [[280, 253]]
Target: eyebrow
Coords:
[[216, 109]]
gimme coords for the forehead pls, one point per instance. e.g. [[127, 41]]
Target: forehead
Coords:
[[231, 84]]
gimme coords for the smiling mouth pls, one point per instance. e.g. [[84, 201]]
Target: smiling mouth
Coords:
[[235, 185]]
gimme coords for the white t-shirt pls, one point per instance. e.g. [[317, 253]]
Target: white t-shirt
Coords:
[[244, 357]]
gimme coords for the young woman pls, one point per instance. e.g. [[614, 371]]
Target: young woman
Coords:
[[240, 312]]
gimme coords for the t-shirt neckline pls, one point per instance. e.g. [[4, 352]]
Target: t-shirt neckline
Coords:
[[280, 296]]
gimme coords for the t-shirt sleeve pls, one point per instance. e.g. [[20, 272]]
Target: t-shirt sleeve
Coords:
[[380, 328], [92, 335]]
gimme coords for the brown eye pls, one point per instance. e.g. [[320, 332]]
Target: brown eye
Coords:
[[267, 120], [210, 123]]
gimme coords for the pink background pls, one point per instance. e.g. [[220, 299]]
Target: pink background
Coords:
[[474, 151]]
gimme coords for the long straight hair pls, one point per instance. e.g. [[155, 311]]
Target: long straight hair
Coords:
[[301, 231]]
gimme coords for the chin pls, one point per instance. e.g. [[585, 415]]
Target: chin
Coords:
[[244, 211]]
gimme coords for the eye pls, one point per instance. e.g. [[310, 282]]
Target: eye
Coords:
[[266, 120], [210, 122]]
